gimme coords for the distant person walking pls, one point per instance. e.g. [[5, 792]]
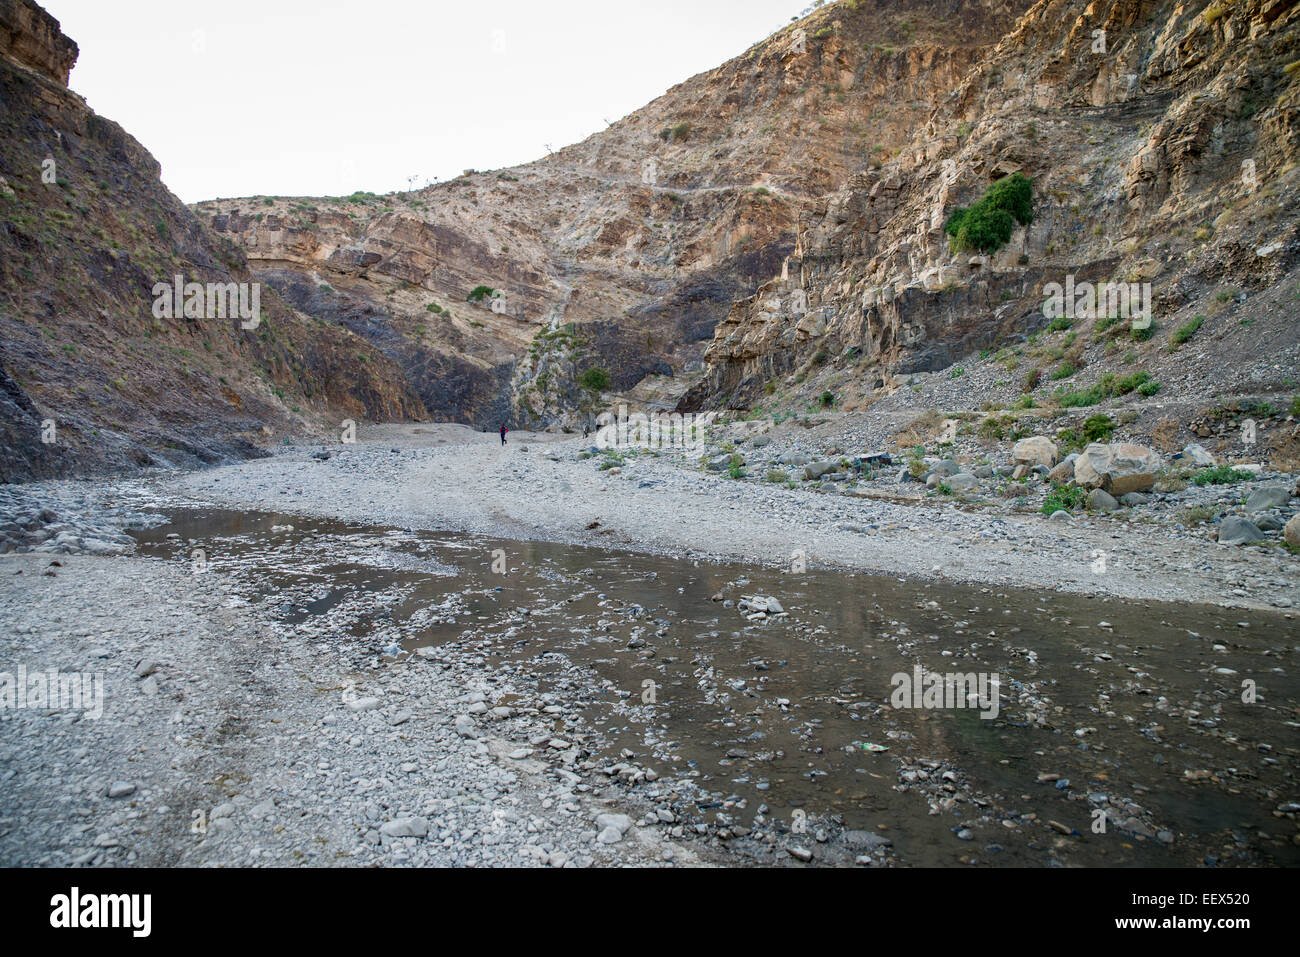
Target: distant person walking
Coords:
[[504, 430]]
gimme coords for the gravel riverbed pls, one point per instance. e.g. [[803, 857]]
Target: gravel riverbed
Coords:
[[229, 737]]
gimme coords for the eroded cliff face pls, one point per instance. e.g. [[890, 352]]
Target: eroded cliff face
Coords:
[[89, 377], [1161, 139], [638, 240], [757, 225], [32, 38]]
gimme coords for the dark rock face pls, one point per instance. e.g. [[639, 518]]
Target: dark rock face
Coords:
[[86, 232], [22, 453]]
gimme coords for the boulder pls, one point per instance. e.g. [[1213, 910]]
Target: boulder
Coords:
[[1270, 496], [1269, 522], [1197, 455], [815, 470], [1118, 468], [1063, 473], [1101, 501], [1235, 530], [1292, 532], [1035, 450], [962, 482], [945, 467]]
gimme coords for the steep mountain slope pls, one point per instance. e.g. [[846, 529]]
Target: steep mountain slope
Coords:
[[89, 377], [1161, 140], [627, 248]]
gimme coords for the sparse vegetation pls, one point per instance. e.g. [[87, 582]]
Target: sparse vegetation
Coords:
[[1063, 497], [1097, 428], [1221, 475], [675, 133], [1109, 386], [1197, 515]]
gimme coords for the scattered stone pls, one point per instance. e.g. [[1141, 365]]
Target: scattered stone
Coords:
[[405, 827]]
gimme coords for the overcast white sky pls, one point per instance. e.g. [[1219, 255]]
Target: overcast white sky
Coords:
[[323, 97]]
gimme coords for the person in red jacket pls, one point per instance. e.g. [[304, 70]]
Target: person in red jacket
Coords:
[[504, 430]]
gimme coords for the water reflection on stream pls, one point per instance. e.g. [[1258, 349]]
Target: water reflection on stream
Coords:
[[1142, 719]]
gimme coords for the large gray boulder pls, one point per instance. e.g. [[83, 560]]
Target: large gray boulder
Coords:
[[1118, 468], [1270, 496], [962, 482], [1235, 530]]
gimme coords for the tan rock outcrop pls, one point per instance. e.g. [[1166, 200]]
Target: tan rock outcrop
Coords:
[[32, 37]]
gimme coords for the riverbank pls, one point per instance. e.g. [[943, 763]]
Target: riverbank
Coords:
[[541, 487], [226, 739]]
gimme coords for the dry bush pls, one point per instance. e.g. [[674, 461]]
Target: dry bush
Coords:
[[1165, 435], [1284, 449], [921, 430]]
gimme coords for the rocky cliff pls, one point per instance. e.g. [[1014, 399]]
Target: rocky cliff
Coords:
[[31, 37], [90, 376], [635, 242], [766, 236], [1161, 141]]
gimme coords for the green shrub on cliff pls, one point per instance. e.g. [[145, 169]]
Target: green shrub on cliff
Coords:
[[987, 226], [596, 379]]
